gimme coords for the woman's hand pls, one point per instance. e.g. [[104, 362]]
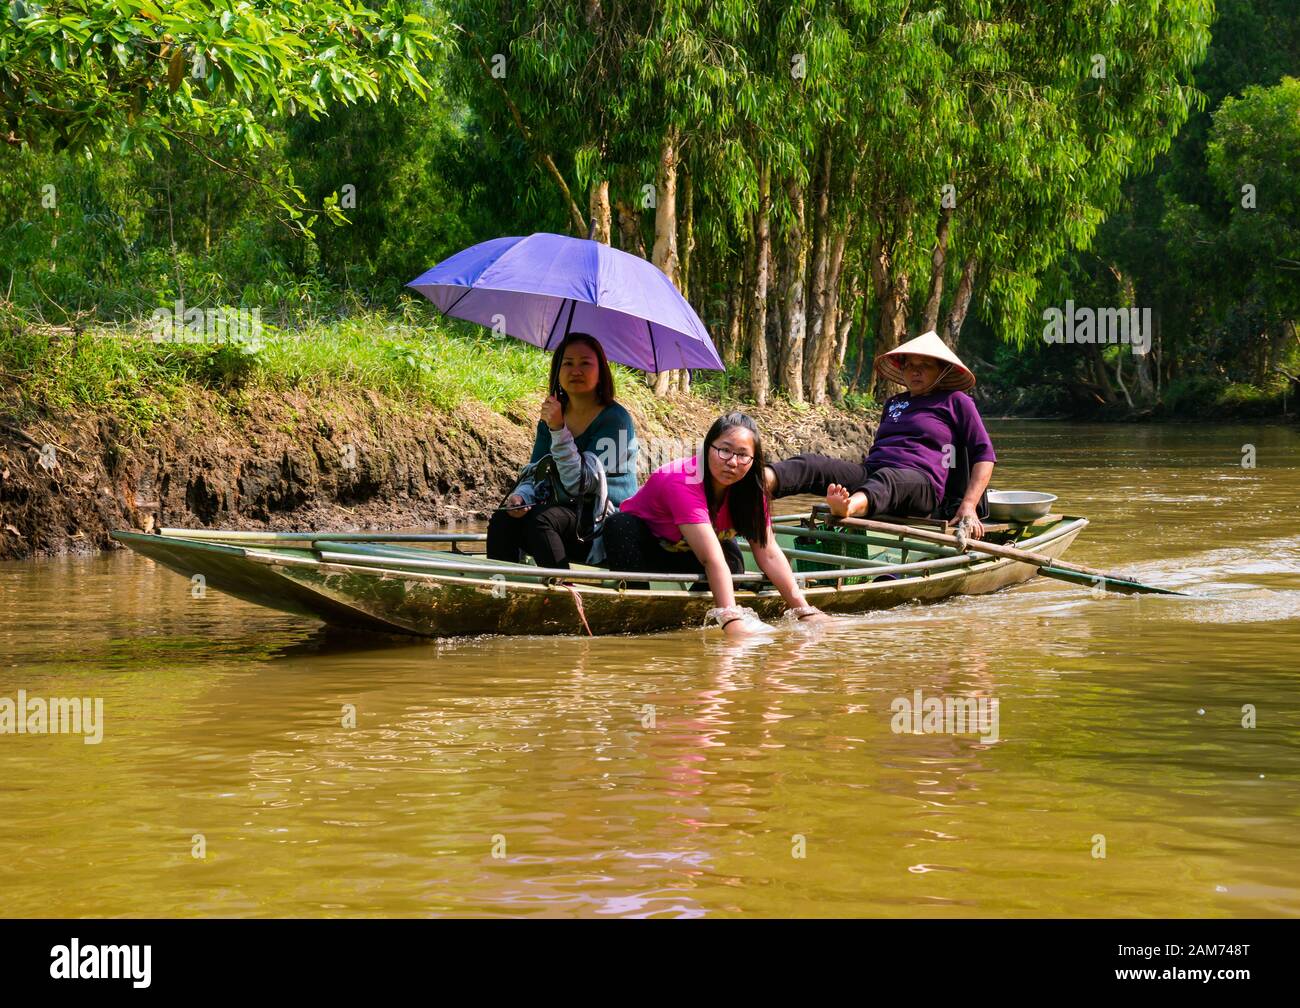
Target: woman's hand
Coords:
[[737, 628], [552, 412], [966, 513], [806, 613], [516, 505], [737, 621]]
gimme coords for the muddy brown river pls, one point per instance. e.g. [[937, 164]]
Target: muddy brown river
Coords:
[[1134, 756]]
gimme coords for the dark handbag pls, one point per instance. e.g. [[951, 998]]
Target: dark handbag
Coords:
[[549, 490]]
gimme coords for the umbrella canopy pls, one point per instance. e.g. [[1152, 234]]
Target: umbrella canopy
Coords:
[[540, 288]]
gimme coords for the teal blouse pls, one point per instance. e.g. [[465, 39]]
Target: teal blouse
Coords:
[[612, 438]]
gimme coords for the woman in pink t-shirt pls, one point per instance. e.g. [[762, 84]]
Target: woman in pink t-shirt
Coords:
[[686, 517]]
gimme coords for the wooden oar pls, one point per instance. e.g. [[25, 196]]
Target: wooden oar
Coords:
[[1047, 566]]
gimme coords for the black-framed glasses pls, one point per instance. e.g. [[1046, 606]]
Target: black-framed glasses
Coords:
[[726, 454]]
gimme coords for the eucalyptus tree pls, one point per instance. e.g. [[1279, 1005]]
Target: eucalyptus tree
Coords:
[[531, 72], [605, 97], [1102, 95], [1029, 119]]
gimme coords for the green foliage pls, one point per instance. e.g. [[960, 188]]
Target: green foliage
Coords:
[[1201, 396], [731, 385], [861, 402], [1254, 164], [227, 365], [422, 184], [64, 371], [442, 365], [386, 115], [212, 77], [1180, 242]]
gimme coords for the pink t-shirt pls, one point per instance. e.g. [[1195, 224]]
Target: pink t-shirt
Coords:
[[674, 495]]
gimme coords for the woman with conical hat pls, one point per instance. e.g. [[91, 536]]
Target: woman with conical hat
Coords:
[[929, 438]]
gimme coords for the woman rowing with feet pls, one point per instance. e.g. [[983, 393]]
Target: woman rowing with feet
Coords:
[[686, 517], [931, 456]]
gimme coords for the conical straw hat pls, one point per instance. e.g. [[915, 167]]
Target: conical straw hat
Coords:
[[958, 375]]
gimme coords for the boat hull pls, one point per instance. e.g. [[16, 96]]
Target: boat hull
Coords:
[[368, 595]]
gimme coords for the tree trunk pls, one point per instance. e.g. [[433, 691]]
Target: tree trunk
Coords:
[[878, 271], [827, 347], [892, 327], [741, 298], [938, 262], [856, 383], [793, 277], [665, 248], [1119, 377], [1100, 375], [1281, 342], [734, 318], [758, 363], [629, 230], [820, 274], [960, 304], [892, 291], [688, 234], [1146, 386], [826, 353], [1157, 351], [775, 313], [598, 206], [844, 327]]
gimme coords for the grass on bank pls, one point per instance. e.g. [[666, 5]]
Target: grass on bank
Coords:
[[412, 357]]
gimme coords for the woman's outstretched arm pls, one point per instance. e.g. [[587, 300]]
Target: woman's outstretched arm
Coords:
[[776, 566]]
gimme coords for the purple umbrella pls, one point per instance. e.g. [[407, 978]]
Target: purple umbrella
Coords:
[[540, 288]]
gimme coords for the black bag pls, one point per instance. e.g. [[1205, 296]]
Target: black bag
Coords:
[[548, 490]]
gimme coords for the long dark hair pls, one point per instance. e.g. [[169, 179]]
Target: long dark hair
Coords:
[[604, 384], [747, 497]]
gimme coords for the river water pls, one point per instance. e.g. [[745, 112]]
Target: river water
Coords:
[[681, 775]]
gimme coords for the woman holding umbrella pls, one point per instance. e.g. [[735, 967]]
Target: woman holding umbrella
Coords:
[[592, 444], [549, 290]]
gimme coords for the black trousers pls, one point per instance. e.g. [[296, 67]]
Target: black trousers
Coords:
[[889, 490], [631, 546], [548, 534]]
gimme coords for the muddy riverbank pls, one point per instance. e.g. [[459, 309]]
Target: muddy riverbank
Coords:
[[337, 459]]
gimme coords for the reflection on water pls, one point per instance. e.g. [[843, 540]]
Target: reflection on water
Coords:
[[682, 775]]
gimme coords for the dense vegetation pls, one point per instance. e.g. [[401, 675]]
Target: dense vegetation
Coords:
[[820, 179]]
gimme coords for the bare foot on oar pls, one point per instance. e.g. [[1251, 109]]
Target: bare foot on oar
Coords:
[[837, 499]]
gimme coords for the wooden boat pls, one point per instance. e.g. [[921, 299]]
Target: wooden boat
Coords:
[[436, 585]]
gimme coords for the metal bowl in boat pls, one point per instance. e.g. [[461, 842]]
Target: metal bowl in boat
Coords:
[[1019, 505]]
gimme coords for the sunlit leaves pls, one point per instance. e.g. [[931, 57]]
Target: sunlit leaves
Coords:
[[1254, 164], [72, 73]]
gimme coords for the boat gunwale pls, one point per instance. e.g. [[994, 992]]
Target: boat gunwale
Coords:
[[283, 539], [570, 574], [547, 580], [547, 583]]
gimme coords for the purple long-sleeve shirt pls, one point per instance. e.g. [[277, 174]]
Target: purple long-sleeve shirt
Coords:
[[914, 431]]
